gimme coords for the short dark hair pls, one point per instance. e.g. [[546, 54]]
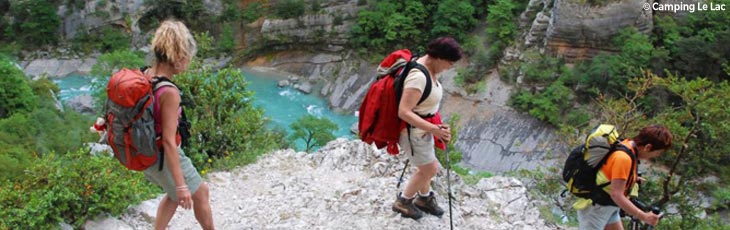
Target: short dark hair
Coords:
[[657, 135], [444, 48]]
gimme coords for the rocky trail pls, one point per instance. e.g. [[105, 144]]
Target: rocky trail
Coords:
[[344, 185]]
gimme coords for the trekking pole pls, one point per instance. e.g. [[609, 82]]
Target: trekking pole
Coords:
[[448, 181], [401, 174]]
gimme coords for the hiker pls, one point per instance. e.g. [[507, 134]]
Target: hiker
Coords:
[[417, 140], [602, 211], [174, 48]]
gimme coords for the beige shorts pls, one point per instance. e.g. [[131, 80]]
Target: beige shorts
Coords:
[[422, 142], [164, 178]]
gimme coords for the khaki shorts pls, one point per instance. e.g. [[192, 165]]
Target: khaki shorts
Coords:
[[597, 216], [164, 178], [422, 142]]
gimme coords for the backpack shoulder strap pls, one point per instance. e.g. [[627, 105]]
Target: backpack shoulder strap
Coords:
[[630, 151], [427, 90], [159, 82]]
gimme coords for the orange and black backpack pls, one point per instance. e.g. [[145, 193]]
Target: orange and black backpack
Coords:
[[378, 120]]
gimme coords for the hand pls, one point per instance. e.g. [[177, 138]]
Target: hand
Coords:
[[185, 200], [650, 218], [442, 132]]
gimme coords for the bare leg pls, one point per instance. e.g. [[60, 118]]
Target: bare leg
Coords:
[[201, 207], [421, 181], [165, 212], [615, 226]]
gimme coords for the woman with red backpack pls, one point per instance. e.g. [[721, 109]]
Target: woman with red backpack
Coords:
[[417, 141], [174, 47]]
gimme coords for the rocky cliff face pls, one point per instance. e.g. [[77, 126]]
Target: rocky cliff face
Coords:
[[326, 30], [345, 185], [578, 30]]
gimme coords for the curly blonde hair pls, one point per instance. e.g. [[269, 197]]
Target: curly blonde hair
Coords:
[[173, 42]]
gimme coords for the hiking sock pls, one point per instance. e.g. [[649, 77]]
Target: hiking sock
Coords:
[[402, 195], [424, 195]]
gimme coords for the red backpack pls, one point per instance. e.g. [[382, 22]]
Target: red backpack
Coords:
[[378, 120], [130, 123]]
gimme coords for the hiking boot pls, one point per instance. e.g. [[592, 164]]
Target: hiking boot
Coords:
[[406, 208], [428, 205]]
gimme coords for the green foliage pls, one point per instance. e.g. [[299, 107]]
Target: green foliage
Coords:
[[35, 22], [106, 39], [106, 65], [15, 93], [500, 31], [205, 44], [71, 188], [314, 131], [227, 42], [455, 154], [315, 6], [453, 18], [391, 24], [474, 178], [546, 184], [545, 70], [252, 12], [287, 9], [225, 124], [550, 105]]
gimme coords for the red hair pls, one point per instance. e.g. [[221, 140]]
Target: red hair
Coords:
[[658, 136]]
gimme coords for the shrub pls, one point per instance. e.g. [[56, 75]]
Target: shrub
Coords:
[[287, 9], [72, 188], [252, 12], [36, 22], [15, 93], [314, 131], [225, 124]]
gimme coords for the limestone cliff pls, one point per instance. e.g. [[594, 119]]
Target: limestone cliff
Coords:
[[580, 30]]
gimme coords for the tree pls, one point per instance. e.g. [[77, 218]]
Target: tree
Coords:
[[453, 18], [36, 22], [15, 92], [225, 123], [698, 118], [313, 131]]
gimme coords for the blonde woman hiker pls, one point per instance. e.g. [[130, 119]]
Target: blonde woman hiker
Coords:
[[417, 141], [174, 48]]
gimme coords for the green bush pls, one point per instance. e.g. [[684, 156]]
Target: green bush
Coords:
[[287, 9], [105, 39], [313, 131], [550, 105], [453, 18], [35, 22], [227, 42], [15, 92], [252, 12], [455, 154], [225, 124], [71, 188]]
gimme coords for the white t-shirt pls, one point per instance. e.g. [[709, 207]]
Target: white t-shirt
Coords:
[[417, 80]]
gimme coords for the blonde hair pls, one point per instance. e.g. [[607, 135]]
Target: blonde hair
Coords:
[[173, 42]]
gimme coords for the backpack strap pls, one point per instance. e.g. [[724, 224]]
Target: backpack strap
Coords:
[[427, 89], [617, 146]]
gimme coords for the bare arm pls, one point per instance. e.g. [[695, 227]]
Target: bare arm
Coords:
[[169, 104], [617, 194], [408, 101]]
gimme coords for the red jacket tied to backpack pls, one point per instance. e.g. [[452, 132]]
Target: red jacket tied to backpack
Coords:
[[378, 120]]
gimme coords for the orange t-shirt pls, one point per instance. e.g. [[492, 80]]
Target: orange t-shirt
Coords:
[[617, 167]]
